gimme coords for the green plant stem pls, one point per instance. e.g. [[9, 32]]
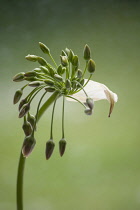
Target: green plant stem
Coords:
[[22, 159]]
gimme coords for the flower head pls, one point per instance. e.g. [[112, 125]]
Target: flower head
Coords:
[[65, 79]]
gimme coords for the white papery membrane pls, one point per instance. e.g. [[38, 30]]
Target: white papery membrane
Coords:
[[96, 91]]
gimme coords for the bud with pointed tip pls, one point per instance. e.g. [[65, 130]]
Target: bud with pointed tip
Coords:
[[70, 56], [89, 102], [88, 111], [49, 148], [27, 128], [62, 146], [19, 77], [79, 73], [35, 84], [44, 48], [68, 84], [42, 61], [22, 102], [64, 60], [67, 51], [25, 109], [75, 61], [28, 145], [17, 96], [30, 74], [44, 69], [33, 58], [87, 52], [91, 66]]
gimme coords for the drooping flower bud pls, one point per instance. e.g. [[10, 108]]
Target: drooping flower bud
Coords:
[[49, 148], [75, 61], [27, 128], [50, 89], [19, 77], [64, 60], [87, 52], [44, 48], [89, 102], [33, 58], [17, 96], [79, 73], [35, 84], [30, 74], [42, 61], [24, 110], [91, 66], [58, 77], [22, 102], [62, 146], [88, 111], [31, 120], [28, 145]]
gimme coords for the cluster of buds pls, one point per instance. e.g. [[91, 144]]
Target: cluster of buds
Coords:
[[64, 79]]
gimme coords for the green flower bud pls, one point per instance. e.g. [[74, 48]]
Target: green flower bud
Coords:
[[33, 58], [42, 61], [50, 89], [91, 66], [30, 79], [51, 71], [19, 77], [62, 146], [88, 111], [17, 96], [75, 61], [59, 69], [58, 77], [22, 102], [70, 56], [74, 84], [35, 84], [64, 60], [44, 70], [31, 120], [49, 82], [79, 73], [27, 128], [24, 110], [49, 148], [63, 53], [38, 70], [44, 48], [89, 102], [30, 74], [28, 145], [68, 84], [67, 51], [86, 52]]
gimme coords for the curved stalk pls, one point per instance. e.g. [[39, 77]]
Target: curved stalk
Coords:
[[22, 159]]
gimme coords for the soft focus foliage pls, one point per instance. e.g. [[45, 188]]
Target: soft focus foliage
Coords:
[[100, 169]]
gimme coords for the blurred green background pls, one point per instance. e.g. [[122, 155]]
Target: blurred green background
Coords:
[[101, 167]]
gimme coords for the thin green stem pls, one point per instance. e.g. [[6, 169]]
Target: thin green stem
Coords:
[[82, 88], [85, 69], [51, 132], [88, 80], [76, 100], [63, 136], [53, 60], [22, 159]]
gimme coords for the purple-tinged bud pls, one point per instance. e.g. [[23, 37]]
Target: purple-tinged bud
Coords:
[[31, 119], [22, 102], [64, 60], [44, 48], [27, 128], [91, 66], [86, 52], [62, 146], [49, 148], [17, 96], [42, 61], [19, 77], [28, 145], [33, 58], [89, 102], [35, 84], [88, 111], [25, 109]]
